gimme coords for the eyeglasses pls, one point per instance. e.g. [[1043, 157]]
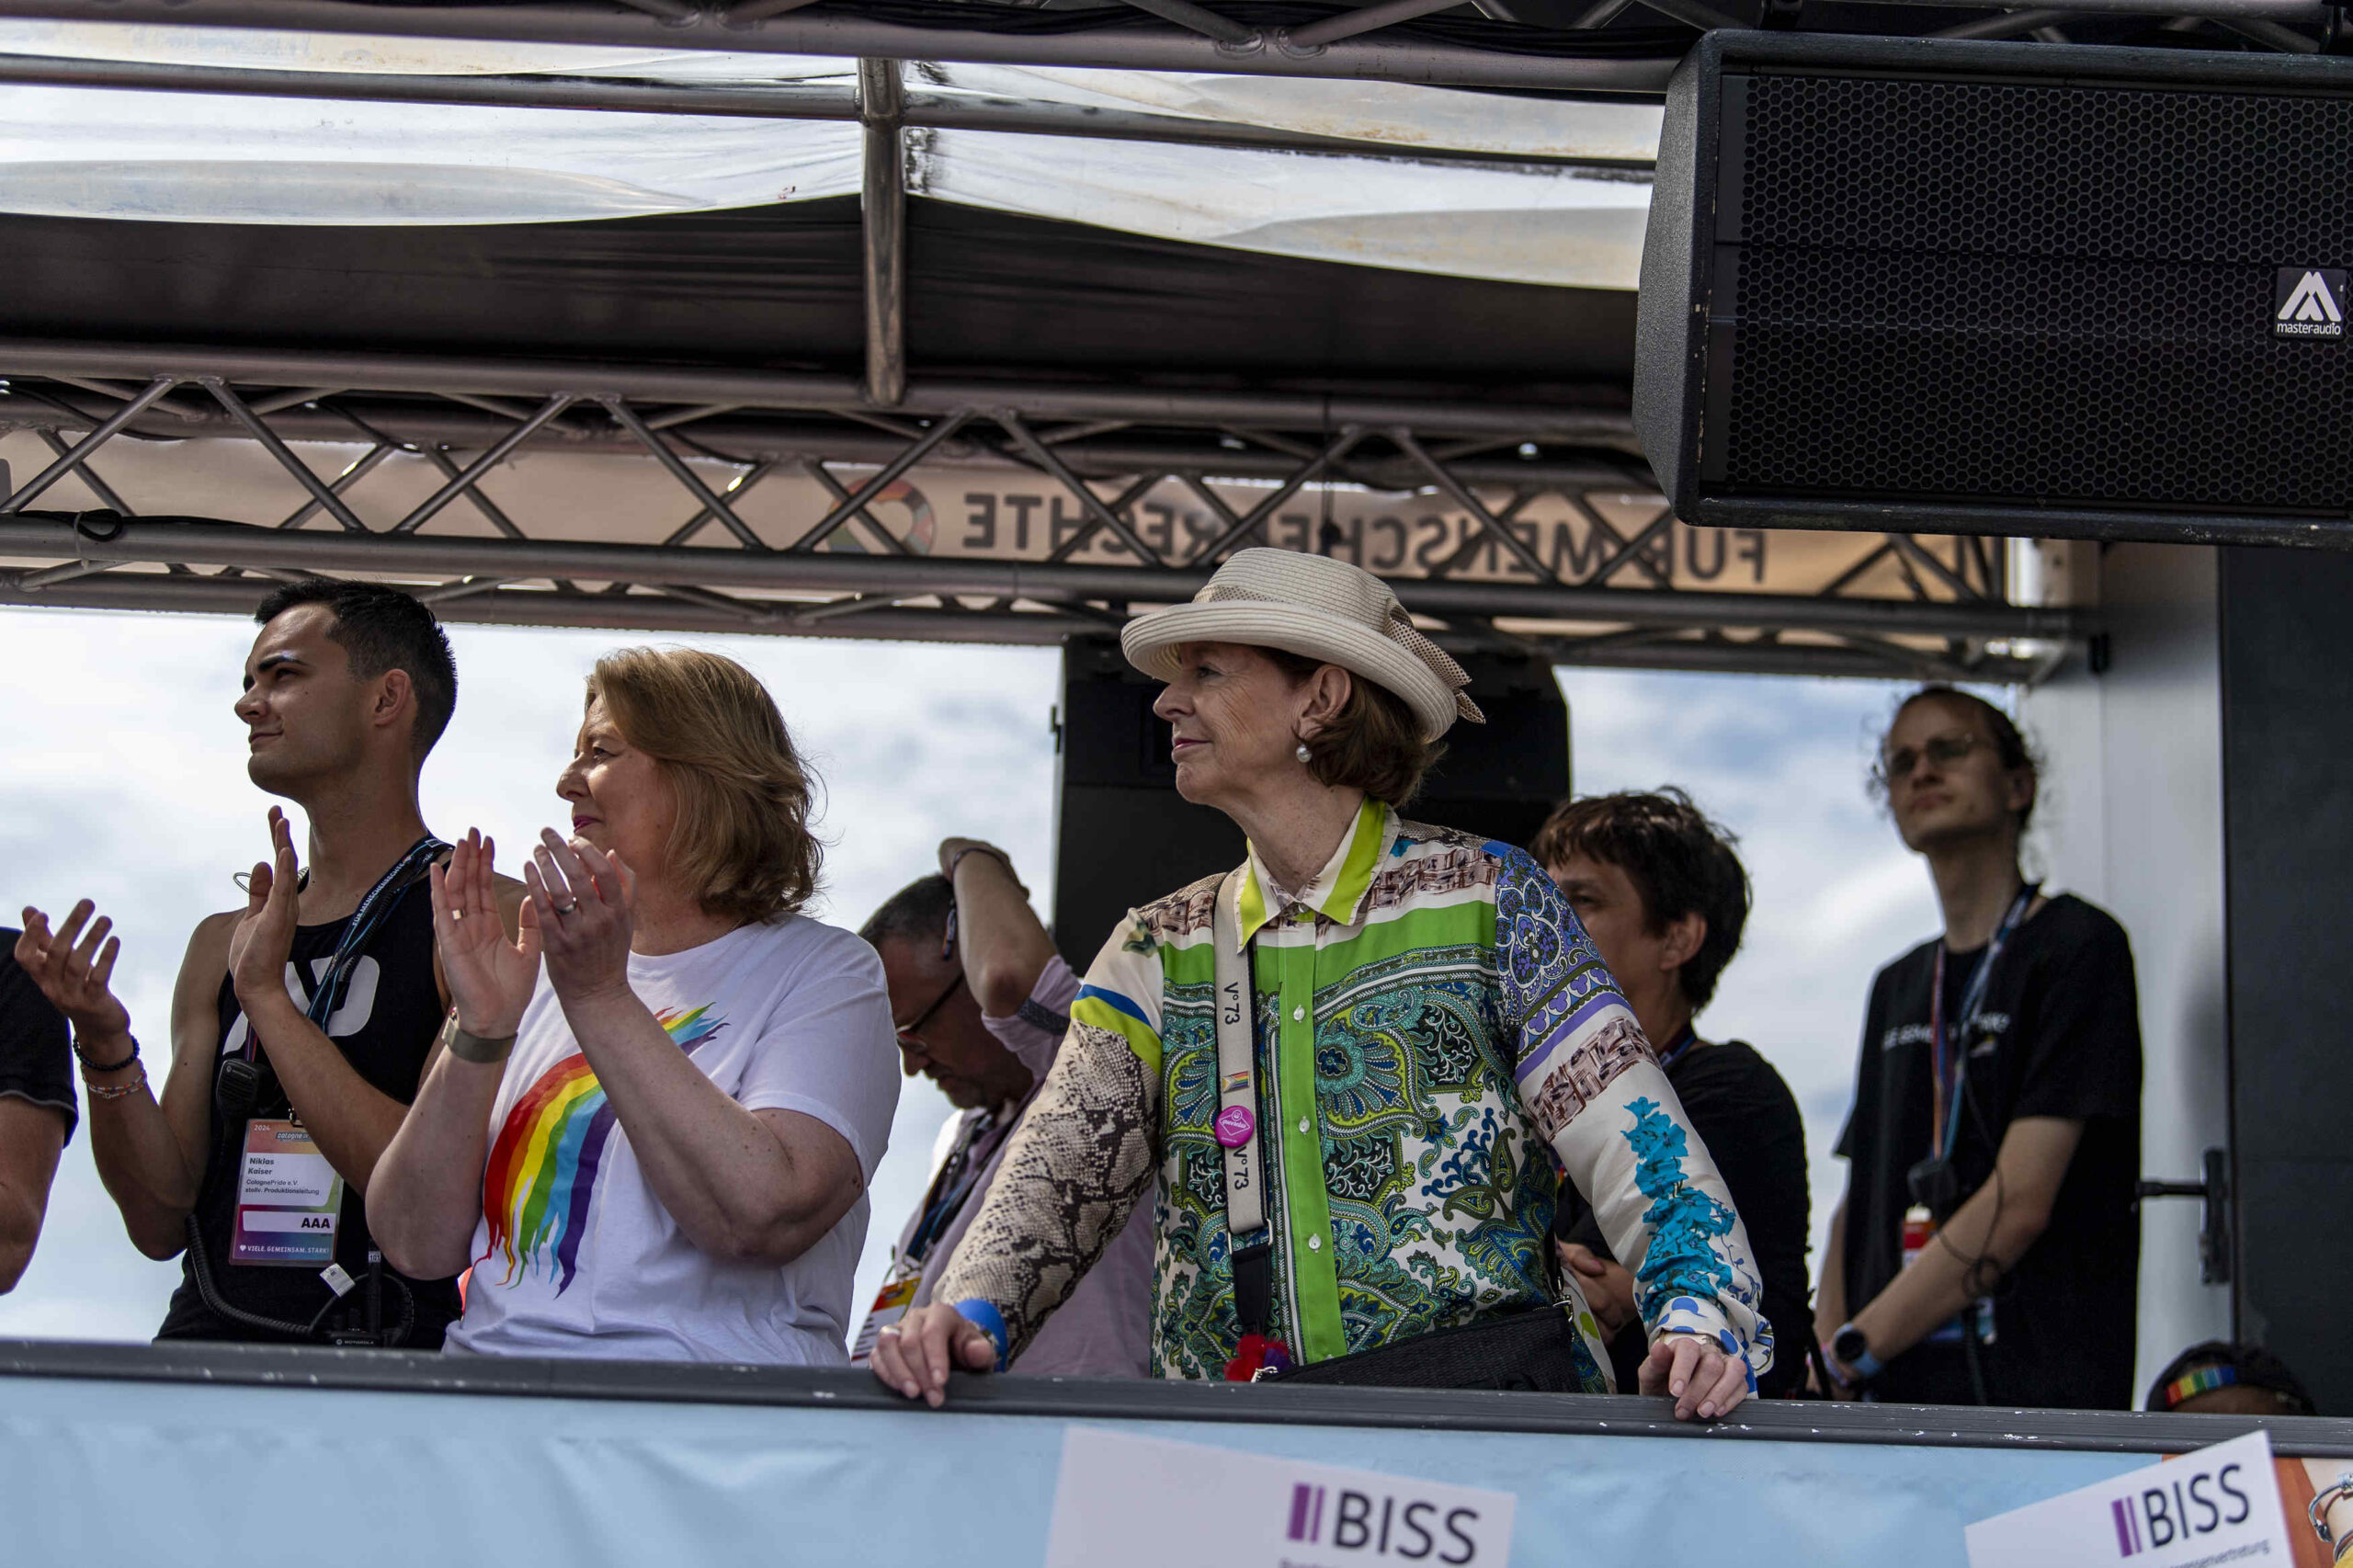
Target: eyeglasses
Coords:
[[909, 1039], [1943, 750]]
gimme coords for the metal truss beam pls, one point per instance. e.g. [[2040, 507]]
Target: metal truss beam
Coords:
[[717, 434], [807, 438], [203, 541], [648, 612], [443, 377]]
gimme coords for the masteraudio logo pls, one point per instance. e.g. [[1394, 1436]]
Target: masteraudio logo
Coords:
[[2309, 302]]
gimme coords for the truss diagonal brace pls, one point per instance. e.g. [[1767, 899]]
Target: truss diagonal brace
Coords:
[[882, 477], [1338, 448], [1459, 494], [362, 467], [1912, 550], [1037, 453], [90, 443], [815, 469], [626, 418], [227, 398], [490, 459]]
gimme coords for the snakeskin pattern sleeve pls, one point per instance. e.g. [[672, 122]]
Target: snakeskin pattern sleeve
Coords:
[[1594, 1090], [1085, 1155]]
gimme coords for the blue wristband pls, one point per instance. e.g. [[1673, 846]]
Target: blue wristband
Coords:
[[984, 1316]]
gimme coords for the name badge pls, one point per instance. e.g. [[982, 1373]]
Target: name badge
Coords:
[[289, 1199], [890, 1304]]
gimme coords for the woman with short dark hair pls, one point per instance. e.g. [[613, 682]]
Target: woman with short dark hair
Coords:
[[1349, 1064], [672, 1163]]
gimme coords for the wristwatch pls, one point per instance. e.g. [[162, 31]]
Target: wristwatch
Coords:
[[1849, 1350]]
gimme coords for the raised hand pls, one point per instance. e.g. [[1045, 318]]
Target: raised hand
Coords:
[[264, 937], [75, 969], [585, 902], [490, 978]]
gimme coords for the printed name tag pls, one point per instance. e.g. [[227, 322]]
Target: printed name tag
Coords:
[[2215, 1506], [289, 1199], [1268, 1513], [890, 1304]]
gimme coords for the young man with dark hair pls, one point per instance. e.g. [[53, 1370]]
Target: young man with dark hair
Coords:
[[1986, 1250], [302, 1024], [1665, 898], [982, 1001], [37, 1110]]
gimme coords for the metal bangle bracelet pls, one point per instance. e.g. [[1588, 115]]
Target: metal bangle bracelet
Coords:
[[481, 1050]]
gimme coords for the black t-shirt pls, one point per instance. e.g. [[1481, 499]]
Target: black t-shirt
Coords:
[[36, 1055], [1747, 1118], [2058, 1034], [385, 1028]]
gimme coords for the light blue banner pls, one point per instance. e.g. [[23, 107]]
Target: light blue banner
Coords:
[[96, 1473]]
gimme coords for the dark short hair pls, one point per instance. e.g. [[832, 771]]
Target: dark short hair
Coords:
[[2243, 1366], [1374, 742], [2009, 745], [916, 912], [1678, 861], [381, 629]]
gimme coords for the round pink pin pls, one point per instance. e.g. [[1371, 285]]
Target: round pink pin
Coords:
[[1234, 1124]]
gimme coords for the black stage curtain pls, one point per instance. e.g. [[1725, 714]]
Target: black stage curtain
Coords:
[[778, 286]]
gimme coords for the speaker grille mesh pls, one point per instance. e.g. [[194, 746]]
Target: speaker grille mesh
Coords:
[[2007, 292]]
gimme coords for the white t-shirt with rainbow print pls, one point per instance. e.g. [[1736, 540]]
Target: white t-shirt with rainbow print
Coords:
[[576, 1257]]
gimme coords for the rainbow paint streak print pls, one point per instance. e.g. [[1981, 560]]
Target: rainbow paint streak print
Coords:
[[543, 1171]]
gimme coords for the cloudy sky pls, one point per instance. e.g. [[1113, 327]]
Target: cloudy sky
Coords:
[[123, 780]]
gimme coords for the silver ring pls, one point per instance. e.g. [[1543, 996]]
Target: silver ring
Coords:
[[565, 908], [888, 1331]]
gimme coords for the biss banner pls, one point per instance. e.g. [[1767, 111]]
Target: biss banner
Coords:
[[378, 1478], [2233, 1503]]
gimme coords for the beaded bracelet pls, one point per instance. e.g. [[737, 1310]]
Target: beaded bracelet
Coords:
[[118, 1091], [89, 1066]]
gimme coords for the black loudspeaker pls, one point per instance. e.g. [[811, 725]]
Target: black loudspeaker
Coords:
[[1123, 837], [1899, 284]]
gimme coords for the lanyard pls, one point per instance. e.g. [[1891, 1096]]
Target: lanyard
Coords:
[[1677, 1046], [359, 930], [1248, 1235], [1945, 1058], [948, 1189]]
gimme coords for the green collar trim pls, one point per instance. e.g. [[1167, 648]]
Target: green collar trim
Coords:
[[1338, 890]]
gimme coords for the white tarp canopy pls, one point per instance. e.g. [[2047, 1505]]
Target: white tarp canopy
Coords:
[[105, 152]]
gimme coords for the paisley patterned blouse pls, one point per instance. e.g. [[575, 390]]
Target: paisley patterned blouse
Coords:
[[1434, 1032]]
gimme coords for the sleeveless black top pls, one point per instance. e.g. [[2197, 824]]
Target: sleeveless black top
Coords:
[[390, 1014]]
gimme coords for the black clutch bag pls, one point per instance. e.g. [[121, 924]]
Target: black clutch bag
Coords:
[[1537, 1350]]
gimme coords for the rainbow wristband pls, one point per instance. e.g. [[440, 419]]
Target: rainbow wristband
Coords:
[[984, 1316]]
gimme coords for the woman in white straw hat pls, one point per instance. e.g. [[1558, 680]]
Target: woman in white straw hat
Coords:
[[1369, 1157]]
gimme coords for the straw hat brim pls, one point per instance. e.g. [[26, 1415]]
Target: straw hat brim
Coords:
[[1150, 642]]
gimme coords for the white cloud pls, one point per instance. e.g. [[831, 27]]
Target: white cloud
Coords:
[[125, 781]]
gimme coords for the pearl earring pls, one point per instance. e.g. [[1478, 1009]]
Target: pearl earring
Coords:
[[1304, 754]]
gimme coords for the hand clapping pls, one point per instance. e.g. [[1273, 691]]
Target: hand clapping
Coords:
[[73, 968], [582, 901], [490, 977]]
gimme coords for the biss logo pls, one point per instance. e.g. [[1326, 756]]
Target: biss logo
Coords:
[[1382, 1527], [2191, 1506]]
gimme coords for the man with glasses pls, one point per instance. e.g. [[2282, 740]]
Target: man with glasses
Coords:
[[982, 1000], [1986, 1250]]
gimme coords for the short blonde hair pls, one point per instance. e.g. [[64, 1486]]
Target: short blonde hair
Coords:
[[742, 838]]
